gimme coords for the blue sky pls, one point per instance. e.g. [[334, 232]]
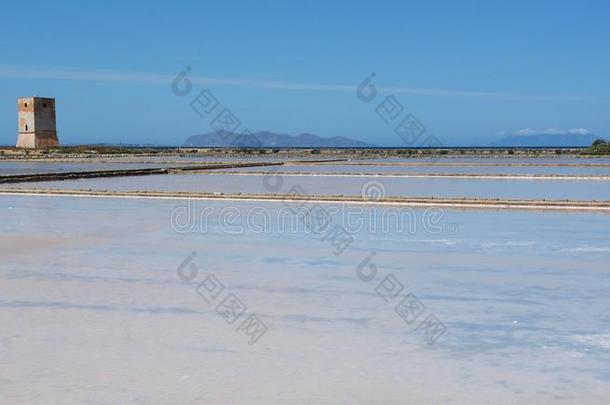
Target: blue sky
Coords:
[[470, 71]]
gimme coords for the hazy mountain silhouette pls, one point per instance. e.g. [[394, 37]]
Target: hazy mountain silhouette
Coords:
[[268, 139]]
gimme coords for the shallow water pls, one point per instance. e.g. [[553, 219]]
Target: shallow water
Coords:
[[335, 168], [349, 186], [123, 162], [496, 160], [30, 167], [91, 299]]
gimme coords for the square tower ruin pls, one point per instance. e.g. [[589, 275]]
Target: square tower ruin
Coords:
[[37, 127]]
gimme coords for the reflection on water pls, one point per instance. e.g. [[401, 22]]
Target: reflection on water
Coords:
[[336, 168], [7, 168], [351, 186], [523, 295]]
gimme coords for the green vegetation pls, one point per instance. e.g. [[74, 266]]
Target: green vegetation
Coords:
[[600, 147]]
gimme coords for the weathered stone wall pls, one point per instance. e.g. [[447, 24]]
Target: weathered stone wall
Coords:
[[25, 108], [37, 125], [44, 114]]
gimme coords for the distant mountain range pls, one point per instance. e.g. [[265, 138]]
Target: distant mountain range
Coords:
[[268, 139], [546, 140]]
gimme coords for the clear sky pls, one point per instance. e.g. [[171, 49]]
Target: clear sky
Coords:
[[470, 71]]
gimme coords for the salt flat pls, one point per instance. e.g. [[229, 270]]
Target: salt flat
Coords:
[[434, 168], [350, 186], [94, 309]]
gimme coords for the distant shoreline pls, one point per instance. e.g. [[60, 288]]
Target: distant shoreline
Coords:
[[88, 153]]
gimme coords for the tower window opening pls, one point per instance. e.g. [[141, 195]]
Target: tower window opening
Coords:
[[26, 127], [26, 104]]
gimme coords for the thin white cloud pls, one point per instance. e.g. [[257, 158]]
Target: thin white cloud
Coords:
[[552, 131], [113, 76]]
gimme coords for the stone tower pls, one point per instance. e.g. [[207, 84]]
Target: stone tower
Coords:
[[37, 128]]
